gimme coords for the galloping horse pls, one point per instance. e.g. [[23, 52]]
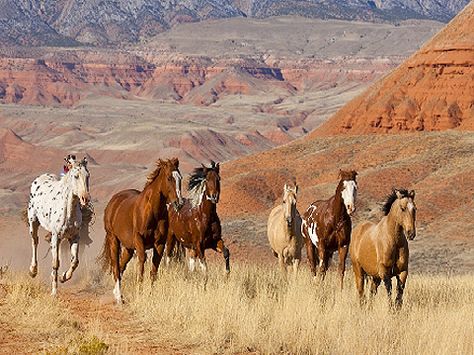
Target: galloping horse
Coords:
[[284, 230], [381, 250], [137, 220], [196, 225], [326, 225], [55, 205]]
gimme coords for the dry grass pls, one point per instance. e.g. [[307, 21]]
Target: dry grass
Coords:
[[43, 321], [255, 309]]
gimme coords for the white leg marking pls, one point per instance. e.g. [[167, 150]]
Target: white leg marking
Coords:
[[191, 264], [117, 292], [54, 273]]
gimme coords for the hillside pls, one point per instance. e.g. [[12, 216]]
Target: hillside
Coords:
[[433, 90]]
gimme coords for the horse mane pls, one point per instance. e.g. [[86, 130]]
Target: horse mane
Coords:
[[154, 174], [197, 183], [390, 199]]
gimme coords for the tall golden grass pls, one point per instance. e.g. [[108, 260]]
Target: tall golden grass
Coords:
[[255, 309]]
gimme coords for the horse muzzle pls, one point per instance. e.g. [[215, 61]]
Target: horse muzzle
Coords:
[[84, 199], [213, 198], [350, 210], [411, 234]]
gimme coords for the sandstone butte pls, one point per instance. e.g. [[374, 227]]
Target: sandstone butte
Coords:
[[431, 91]]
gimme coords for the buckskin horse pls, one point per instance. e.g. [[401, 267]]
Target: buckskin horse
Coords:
[[284, 230], [380, 250], [137, 220], [55, 205], [326, 225], [196, 225]]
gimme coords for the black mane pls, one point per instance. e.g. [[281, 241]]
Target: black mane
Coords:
[[199, 174], [390, 199]]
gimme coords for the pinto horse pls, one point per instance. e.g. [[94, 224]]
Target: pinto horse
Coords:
[[326, 225], [55, 205], [196, 226], [381, 250], [284, 230], [137, 220]]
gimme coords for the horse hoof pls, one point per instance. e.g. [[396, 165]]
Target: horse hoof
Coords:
[[63, 278], [33, 272]]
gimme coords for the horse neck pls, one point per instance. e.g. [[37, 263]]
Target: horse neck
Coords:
[[394, 227], [338, 202], [154, 190], [69, 200]]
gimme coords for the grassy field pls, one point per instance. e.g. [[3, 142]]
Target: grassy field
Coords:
[[252, 310]]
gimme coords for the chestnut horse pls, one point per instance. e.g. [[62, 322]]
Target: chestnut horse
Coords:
[[137, 220], [326, 225], [196, 226], [284, 230], [381, 250]]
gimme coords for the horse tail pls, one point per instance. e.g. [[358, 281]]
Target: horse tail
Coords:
[[105, 258], [24, 215]]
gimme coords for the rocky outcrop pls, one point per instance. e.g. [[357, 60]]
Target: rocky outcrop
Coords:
[[432, 90]]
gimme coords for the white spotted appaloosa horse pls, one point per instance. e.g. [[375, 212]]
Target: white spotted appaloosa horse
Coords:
[[55, 205], [326, 225]]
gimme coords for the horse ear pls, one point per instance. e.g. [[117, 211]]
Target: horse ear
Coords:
[[175, 162], [84, 161], [296, 189], [217, 167], [411, 194], [285, 188], [398, 193]]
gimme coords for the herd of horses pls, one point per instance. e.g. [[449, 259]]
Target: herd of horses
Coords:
[[159, 218]]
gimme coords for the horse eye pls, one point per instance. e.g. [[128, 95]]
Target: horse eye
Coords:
[[76, 176]]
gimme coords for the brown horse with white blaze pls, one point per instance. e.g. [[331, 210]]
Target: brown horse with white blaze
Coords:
[[381, 250], [326, 225], [196, 226], [137, 220]]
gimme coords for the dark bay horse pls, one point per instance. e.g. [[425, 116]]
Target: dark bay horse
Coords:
[[381, 250], [137, 220], [326, 225], [196, 225]]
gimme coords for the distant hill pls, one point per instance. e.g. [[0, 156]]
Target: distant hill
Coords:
[[108, 22], [433, 90]]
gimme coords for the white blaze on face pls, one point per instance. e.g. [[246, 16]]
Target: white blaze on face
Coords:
[[177, 178], [349, 194]]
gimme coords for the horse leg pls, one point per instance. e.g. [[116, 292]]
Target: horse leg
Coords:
[[170, 244], [401, 281], [359, 277], [74, 247], [140, 248], [33, 225], [281, 262], [191, 259], [342, 262], [310, 251], [202, 258], [55, 264], [125, 257], [323, 261], [388, 286], [220, 247], [157, 255], [296, 263], [374, 284], [115, 260]]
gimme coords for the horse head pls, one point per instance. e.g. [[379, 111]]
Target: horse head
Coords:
[[289, 202], [172, 182], [349, 189], [407, 212], [213, 185], [79, 178]]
